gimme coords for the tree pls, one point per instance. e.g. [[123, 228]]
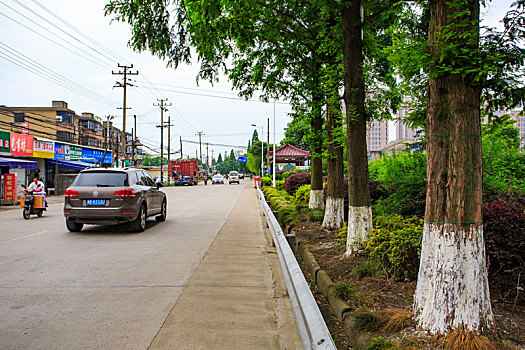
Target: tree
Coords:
[[452, 288], [219, 159], [359, 209], [255, 137]]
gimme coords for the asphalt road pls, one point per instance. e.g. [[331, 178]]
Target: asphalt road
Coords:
[[101, 288]]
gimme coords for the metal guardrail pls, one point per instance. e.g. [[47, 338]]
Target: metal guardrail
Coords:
[[312, 327]]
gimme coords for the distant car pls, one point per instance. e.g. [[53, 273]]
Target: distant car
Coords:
[[110, 196], [217, 179], [241, 176], [233, 177]]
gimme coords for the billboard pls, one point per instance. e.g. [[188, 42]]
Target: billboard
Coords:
[[5, 140], [95, 156], [67, 152], [43, 148], [242, 159], [21, 145]]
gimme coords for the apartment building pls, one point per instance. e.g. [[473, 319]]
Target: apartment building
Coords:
[[377, 135]]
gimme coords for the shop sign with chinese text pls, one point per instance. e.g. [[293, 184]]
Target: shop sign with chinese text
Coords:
[[21, 145], [95, 156], [9, 187], [67, 152], [5, 140], [43, 148]]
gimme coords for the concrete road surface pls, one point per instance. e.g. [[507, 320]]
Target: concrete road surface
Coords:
[[206, 278]]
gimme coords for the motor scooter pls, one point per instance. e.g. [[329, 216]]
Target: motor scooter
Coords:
[[29, 208]]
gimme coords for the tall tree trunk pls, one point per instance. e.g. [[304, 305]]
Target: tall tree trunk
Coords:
[[359, 210], [452, 288], [334, 215], [316, 144]]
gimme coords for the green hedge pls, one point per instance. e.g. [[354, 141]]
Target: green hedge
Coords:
[[280, 202], [395, 242], [302, 195]]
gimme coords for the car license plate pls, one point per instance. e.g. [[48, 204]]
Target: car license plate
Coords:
[[95, 202]]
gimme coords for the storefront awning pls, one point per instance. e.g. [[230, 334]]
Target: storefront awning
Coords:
[[69, 164], [14, 163]]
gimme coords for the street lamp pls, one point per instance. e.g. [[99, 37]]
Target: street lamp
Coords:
[[262, 148]]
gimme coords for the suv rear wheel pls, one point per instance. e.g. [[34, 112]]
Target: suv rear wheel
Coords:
[[139, 224], [74, 226]]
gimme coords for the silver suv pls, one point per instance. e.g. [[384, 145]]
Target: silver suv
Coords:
[[113, 196]]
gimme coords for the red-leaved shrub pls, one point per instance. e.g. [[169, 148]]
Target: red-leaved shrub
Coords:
[[293, 182], [504, 231]]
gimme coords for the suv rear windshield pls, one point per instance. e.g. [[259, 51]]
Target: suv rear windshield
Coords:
[[101, 179]]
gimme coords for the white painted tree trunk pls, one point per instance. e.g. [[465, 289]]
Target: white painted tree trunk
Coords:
[[334, 215], [359, 224], [316, 200], [452, 286]]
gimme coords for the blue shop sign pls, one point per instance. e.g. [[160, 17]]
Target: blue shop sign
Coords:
[[95, 156]]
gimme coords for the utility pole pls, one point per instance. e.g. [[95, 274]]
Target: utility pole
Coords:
[[125, 72], [274, 156], [207, 160], [213, 168], [169, 125], [133, 160], [268, 149], [163, 108], [181, 156], [200, 133]]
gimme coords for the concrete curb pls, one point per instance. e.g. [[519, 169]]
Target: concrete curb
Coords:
[[339, 307]]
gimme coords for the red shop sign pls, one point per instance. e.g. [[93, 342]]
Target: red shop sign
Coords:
[[9, 186], [21, 145]]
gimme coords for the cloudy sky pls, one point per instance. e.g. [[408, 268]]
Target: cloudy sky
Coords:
[[71, 43]]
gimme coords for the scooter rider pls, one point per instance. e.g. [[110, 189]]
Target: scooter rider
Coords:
[[38, 189]]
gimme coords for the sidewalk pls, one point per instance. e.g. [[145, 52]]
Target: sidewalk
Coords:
[[236, 298], [50, 200]]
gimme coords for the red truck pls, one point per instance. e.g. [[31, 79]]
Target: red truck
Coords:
[[185, 172]]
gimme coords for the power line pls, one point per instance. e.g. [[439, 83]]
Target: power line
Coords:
[[62, 20], [217, 144], [49, 72], [207, 95], [56, 81], [60, 29], [54, 42]]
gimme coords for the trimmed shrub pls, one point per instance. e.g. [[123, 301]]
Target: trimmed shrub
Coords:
[[287, 174], [279, 184], [280, 202], [504, 231], [302, 195], [266, 181], [293, 182], [316, 215], [395, 243]]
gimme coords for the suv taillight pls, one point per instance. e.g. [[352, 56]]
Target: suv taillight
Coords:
[[71, 193], [128, 192]]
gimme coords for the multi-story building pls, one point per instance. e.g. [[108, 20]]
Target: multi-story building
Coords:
[[90, 131], [377, 135]]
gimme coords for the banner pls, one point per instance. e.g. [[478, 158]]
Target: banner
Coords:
[[5, 140], [25, 128], [21, 145], [67, 152], [95, 156], [43, 148], [9, 187]]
